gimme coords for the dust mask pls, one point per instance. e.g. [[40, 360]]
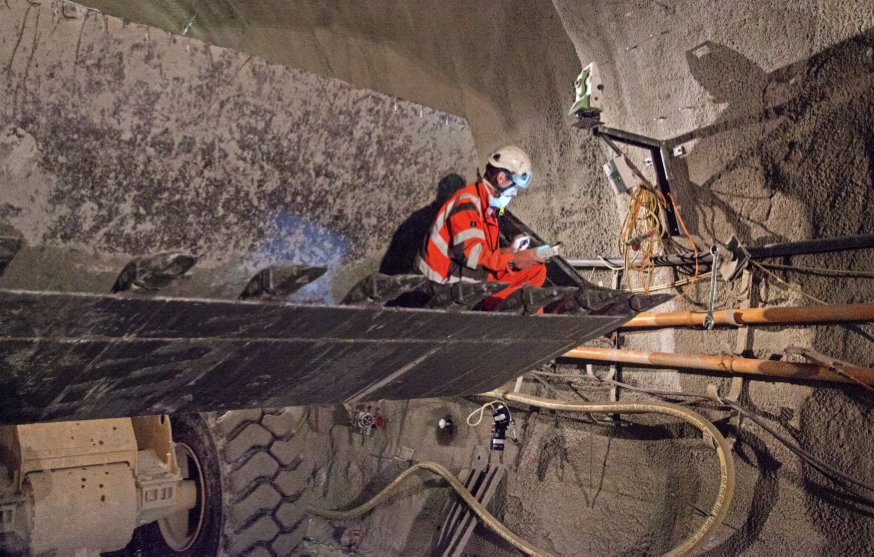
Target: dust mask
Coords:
[[499, 202]]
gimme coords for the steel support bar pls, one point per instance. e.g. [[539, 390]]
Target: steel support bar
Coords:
[[657, 153], [628, 138], [822, 245], [800, 315], [674, 260], [761, 369]]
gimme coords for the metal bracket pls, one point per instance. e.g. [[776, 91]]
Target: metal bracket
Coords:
[[835, 365], [735, 259], [742, 344], [734, 417], [708, 319], [657, 154]]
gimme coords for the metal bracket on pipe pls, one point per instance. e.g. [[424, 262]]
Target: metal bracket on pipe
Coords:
[[708, 319], [735, 259], [612, 375], [734, 392], [833, 364], [742, 345]]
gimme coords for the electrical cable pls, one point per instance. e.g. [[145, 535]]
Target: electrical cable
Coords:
[[642, 233], [723, 450], [488, 519], [481, 411], [624, 385], [789, 286], [609, 266], [674, 284], [803, 454], [818, 271], [547, 385]]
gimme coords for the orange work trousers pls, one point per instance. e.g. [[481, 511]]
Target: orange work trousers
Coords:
[[534, 275]]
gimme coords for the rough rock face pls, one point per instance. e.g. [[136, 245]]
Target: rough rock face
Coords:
[[773, 105], [121, 140]]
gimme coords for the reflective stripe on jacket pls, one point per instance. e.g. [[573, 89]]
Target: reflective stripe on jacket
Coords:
[[463, 241]]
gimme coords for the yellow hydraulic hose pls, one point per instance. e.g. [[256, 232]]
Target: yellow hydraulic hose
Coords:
[[726, 464], [488, 519], [717, 513]]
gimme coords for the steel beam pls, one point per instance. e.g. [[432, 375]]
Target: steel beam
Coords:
[[821, 245]]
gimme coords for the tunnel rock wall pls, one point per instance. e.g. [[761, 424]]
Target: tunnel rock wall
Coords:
[[508, 68], [121, 140], [772, 106]]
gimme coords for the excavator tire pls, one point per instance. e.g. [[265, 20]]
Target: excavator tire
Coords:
[[266, 480]]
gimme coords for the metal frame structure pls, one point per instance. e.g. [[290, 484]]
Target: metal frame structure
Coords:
[[657, 151]]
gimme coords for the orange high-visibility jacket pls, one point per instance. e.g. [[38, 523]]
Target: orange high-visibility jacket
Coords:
[[463, 241]]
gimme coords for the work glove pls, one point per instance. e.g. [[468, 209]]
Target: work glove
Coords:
[[526, 258]]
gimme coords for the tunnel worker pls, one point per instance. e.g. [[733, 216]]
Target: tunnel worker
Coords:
[[463, 242]]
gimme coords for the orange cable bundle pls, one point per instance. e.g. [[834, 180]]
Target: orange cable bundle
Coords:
[[642, 234]]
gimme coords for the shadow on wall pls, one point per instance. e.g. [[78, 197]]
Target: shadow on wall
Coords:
[[792, 154], [405, 243], [805, 130], [837, 425], [764, 495]]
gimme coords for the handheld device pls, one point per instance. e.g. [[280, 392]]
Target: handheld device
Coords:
[[546, 251]]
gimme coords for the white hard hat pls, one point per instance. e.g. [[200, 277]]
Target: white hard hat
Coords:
[[515, 162]]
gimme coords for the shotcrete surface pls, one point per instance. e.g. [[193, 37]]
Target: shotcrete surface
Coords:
[[120, 140], [772, 103]]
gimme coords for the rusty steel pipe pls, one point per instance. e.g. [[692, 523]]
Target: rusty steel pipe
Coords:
[[724, 364], [798, 315]]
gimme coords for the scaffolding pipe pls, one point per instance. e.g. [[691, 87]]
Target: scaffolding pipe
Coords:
[[799, 315], [821, 245], [725, 364]]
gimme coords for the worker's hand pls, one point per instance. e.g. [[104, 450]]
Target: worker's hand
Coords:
[[526, 258], [520, 242]]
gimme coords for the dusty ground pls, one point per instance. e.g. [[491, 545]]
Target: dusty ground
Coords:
[[773, 104]]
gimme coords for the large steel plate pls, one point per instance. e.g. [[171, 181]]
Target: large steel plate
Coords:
[[84, 356]]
